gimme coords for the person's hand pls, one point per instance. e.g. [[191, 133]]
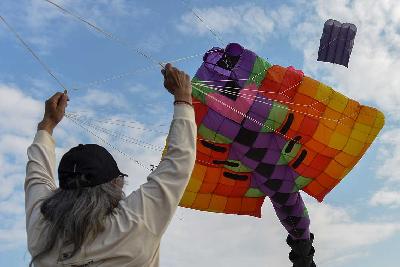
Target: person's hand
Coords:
[[177, 83], [54, 112]]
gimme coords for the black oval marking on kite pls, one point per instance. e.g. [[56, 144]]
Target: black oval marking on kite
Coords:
[[234, 176], [226, 162], [292, 143], [300, 159], [227, 61], [213, 147], [287, 125]]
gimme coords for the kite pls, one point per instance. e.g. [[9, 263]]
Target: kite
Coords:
[[265, 130], [337, 42]]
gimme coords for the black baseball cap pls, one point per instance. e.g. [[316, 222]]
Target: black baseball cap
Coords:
[[87, 166]]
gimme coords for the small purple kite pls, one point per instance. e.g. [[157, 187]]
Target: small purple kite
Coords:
[[337, 42]]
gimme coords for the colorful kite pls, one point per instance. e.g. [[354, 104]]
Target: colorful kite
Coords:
[[266, 130], [337, 42]]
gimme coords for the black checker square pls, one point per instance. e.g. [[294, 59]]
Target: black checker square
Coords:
[[265, 169], [256, 154], [246, 137], [287, 209], [231, 90], [280, 198], [273, 184]]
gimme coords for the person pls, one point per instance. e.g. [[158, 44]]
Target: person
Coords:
[[88, 221]]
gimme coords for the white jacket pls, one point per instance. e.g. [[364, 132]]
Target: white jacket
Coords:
[[132, 236]]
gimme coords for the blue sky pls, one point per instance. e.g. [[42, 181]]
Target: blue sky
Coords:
[[358, 223]]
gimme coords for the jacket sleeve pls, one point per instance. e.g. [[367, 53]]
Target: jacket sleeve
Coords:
[[155, 202], [39, 181]]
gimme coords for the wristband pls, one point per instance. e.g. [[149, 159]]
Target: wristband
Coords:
[[176, 102]]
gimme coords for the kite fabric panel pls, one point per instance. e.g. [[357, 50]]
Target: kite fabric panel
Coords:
[[337, 42], [263, 127]]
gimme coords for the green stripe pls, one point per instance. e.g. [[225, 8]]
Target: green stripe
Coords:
[[260, 67], [254, 192], [210, 135], [200, 91]]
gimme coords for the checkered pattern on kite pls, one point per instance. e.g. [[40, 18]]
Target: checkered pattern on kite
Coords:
[[267, 130], [294, 217]]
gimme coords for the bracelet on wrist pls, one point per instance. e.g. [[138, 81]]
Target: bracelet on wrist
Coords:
[[176, 102]]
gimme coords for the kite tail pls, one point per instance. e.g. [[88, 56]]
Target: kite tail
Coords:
[[292, 213]]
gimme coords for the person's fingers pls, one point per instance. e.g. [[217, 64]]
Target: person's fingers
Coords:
[[55, 98], [64, 100], [168, 69]]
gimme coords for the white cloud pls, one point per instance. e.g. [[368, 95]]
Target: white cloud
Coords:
[[231, 240], [386, 197], [390, 155], [342, 237], [98, 98], [19, 112], [284, 16], [249, 21], [13, 236]]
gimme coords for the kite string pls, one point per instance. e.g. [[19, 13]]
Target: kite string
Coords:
[[129, 139], [213, 32], [249, 96], [356, 110], [108, 144], [243, 114], [107, 34], [294, 110], [119, 76], [283, 102], [46, 68], [121, 136], [118, 120], [90, 24]]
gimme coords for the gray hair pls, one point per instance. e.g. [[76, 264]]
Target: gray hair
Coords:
[[77, 215]]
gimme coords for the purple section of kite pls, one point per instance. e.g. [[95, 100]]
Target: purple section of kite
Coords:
[[227, 70], [337, 42]]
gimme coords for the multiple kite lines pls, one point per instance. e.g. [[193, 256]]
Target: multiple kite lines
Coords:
[[91, 126]]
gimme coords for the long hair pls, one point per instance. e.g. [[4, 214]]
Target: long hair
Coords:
[[77, 215]]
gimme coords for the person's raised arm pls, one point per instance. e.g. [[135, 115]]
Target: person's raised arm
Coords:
[[39, 181], [156, 201]]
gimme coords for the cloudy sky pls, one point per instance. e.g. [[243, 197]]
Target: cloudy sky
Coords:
[[358, 223]]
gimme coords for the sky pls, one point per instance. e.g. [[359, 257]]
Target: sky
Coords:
[[110, 84]]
